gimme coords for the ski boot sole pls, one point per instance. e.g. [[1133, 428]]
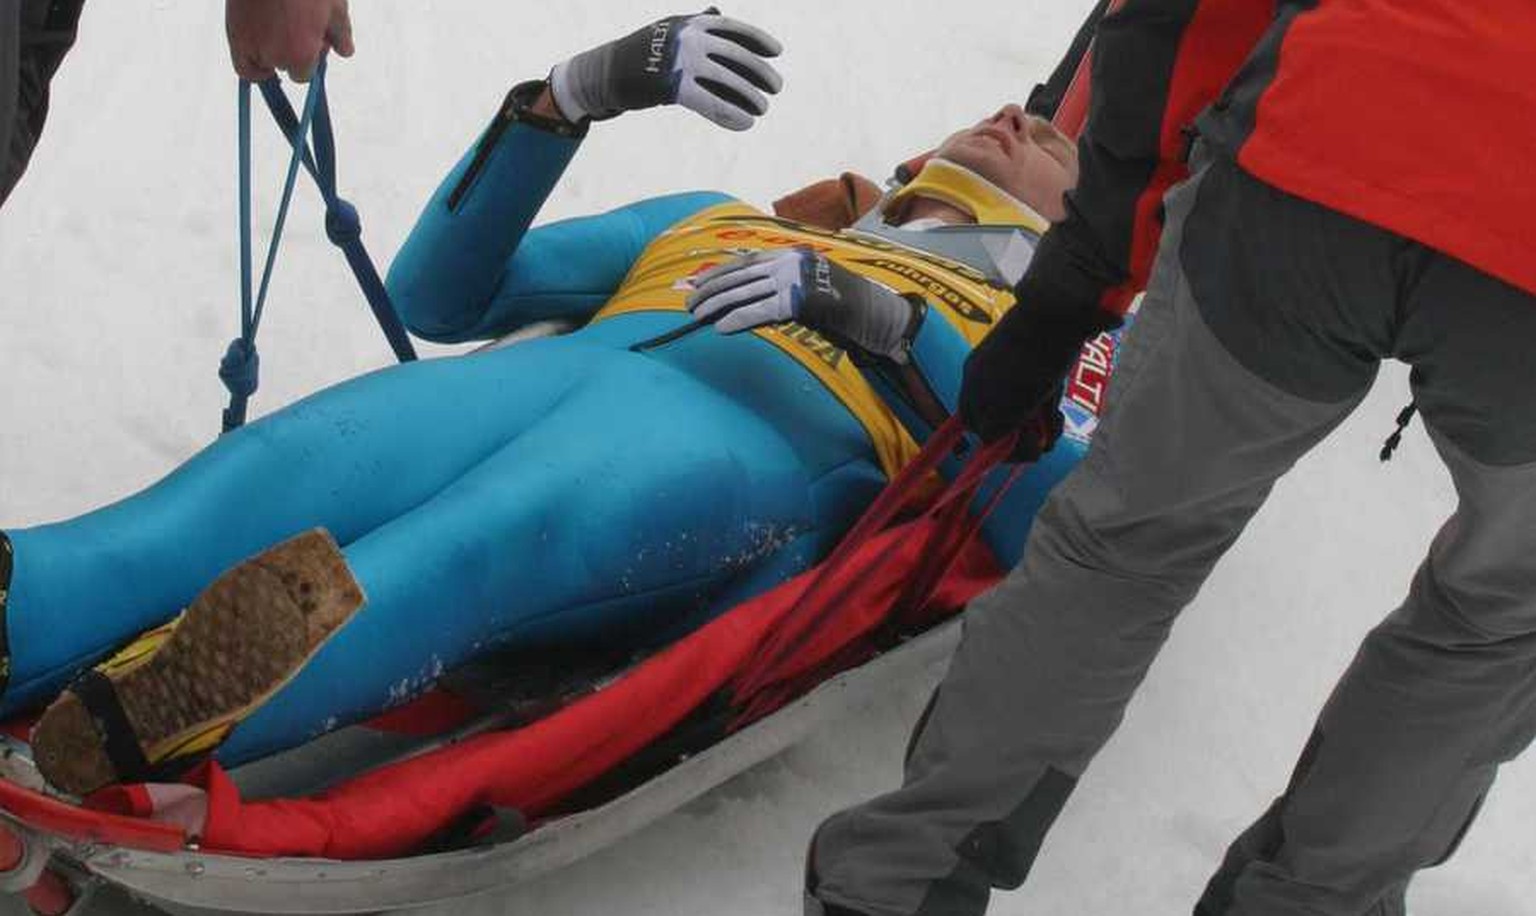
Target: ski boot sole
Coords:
[[238, 643]]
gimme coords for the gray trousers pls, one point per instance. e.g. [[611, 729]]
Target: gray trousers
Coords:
[[1265, 323], [34, 37]]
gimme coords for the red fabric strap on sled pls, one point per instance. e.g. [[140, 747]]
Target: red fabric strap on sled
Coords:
[[921, 563], [793, 656]]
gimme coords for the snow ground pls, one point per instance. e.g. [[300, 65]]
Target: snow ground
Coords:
[[117, 296]]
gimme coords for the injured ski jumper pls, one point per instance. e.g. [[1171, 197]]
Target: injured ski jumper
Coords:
[[618, 485], [1355, 190]]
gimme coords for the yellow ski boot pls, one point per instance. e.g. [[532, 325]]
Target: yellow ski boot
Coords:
[[178, 690]]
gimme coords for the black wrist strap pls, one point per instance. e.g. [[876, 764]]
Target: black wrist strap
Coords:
[[918, 391], [906, 379], [518, 108], [919, 315]]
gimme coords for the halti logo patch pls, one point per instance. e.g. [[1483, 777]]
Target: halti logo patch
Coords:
[[1083, 401]]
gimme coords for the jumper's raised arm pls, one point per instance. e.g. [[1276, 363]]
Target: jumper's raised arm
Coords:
[[472, 269]]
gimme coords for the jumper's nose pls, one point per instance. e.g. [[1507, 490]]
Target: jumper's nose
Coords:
[[1012, 117]]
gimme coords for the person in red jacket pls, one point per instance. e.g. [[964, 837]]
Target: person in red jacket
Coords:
[[1323, 219]]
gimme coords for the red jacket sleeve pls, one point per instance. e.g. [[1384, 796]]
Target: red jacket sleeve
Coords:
[[1156, 64]]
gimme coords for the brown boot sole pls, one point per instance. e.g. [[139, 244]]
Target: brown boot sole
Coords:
[[239, 642]]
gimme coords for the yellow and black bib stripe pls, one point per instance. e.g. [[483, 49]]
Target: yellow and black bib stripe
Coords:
[[661, 280]]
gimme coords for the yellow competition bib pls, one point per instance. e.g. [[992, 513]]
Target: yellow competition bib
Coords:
[[662, 279]]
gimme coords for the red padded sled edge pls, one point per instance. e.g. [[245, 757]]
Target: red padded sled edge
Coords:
[[55, 818]]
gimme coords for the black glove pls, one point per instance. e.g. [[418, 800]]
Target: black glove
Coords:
[[706, 62], [1013, 379], [799, 284]]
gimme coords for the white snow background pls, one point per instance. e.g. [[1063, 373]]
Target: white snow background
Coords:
[[118, 295]]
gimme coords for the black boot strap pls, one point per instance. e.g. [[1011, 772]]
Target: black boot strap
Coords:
[[1404, 417], [118, 738]]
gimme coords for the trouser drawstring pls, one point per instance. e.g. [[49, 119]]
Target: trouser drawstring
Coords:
[[1404, 417]]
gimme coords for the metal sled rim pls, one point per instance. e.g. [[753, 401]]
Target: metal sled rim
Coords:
[[234, 884]]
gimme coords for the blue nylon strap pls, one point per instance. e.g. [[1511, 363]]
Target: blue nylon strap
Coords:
[[240, 368], [342, 225]]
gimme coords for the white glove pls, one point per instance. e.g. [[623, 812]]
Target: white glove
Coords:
[[799, 284], [709, 63]]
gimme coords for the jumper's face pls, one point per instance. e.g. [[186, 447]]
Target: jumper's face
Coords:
[[1020, 153]]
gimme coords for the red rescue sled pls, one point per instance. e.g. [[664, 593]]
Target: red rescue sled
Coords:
[[411, 798]]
